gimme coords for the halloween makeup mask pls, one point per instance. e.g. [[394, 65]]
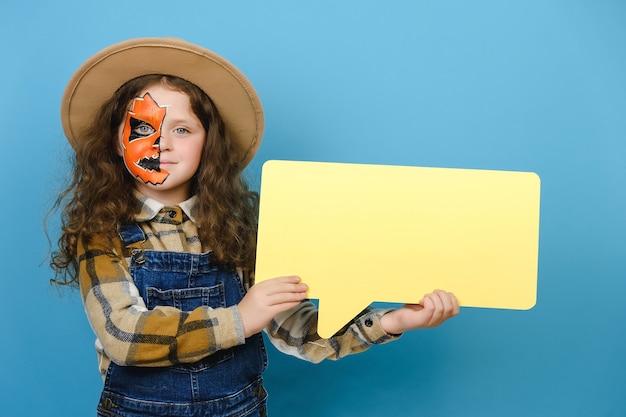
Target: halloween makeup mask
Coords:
[[140, 140]]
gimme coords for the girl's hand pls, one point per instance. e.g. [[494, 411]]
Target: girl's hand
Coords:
[[268, 298], [434, 309]]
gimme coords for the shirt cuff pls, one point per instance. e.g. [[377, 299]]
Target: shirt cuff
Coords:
[[230, 328], [369, 324]]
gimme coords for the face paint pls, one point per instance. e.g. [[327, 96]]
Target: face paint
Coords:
[[140, 140]]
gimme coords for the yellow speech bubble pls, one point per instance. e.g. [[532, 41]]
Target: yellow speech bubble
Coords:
[[358, 234]]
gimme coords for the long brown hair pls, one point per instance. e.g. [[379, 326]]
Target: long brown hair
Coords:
[[99, 197]]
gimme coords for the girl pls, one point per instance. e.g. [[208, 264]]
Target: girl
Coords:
[[159, 233]]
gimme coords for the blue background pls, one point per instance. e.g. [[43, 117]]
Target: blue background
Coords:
[[536, 85]]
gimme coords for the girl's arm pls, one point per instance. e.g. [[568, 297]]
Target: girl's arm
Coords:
[[295, 331], [433, 310], [133, 335]]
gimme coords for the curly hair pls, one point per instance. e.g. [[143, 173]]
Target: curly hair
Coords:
[[99, 198]]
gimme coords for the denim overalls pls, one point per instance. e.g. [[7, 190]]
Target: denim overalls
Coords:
[[226, 383]]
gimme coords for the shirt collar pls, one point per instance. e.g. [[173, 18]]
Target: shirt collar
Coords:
[[151, 207], [187, 206]]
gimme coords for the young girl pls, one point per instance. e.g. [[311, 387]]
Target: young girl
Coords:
[[159, 233]]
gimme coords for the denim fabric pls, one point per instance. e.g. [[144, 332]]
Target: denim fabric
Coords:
[[226, 383], [248, 402]]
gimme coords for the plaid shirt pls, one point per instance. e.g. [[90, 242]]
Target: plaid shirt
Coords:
[[130, 334]]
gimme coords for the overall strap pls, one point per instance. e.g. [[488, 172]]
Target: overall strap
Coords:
[[133, 237], [131, 234]]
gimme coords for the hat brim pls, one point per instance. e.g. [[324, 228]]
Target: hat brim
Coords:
[[102, 74]]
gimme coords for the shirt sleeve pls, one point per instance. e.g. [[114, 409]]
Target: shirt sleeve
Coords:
[[294, 332], [129, 333]]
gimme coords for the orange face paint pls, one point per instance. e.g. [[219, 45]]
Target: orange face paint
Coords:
[[140, 140]]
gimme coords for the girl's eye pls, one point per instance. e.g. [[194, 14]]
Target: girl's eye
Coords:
[[180, 131], [144, 129]]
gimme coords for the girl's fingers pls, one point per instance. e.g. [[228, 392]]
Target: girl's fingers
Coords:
[[446, 302], [445, 305], [283, 290], [456, 308], [286, 297], [450, 303], [438, 308]]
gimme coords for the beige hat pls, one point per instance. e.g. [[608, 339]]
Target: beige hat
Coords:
[[102, 74]]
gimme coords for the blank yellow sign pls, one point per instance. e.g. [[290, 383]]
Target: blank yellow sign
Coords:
[[358, 234]]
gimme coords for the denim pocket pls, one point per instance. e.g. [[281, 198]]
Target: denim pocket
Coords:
[[210, 361], [186, 299]]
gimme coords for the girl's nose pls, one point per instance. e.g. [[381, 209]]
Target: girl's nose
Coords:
[[163, 143]]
